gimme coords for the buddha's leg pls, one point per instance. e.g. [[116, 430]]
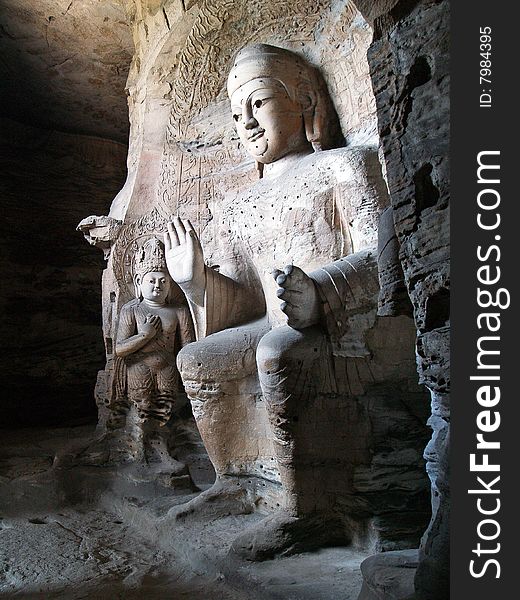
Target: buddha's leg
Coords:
[[140, 388], [219, 375], [141, 391], [169, 397], [295, 373], [297, 377], [343, 438]]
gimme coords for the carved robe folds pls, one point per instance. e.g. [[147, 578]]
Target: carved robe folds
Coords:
[[318, 419]]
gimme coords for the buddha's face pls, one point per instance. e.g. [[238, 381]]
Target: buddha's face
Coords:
[[155, 286], [269, 123]]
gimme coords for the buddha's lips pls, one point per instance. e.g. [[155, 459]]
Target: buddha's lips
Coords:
[[256, 136]]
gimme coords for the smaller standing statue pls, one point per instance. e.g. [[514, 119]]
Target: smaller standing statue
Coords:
[[151, 332]]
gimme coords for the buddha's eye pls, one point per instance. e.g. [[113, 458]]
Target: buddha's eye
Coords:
[[236, 117], [258, 103]]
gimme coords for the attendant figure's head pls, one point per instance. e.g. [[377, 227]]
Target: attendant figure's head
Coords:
[[280, 104], [152, 280]]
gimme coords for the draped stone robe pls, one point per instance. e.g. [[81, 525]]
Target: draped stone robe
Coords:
[[298, 417], [322, 215]]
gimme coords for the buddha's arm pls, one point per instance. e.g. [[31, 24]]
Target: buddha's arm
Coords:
[[348, 290], [185, 327], [216, 301], [224, 303], [360, 197]]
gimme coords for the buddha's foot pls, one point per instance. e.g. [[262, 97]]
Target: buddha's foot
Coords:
[[227, 496], [283, 534]]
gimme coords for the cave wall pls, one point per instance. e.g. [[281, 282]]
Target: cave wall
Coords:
[[409, 60], [64, 65], [64, 69], [50, 294]]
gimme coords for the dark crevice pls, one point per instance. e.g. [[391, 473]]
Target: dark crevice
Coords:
[[420, 73], [438, 310], [426, 192], [166, 19], [387, 21], [402, 9]]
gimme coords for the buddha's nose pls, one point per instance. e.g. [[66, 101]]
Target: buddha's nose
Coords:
[[251, 123], [248, 120]]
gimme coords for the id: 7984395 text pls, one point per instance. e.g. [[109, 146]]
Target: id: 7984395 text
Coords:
[[485, 67]]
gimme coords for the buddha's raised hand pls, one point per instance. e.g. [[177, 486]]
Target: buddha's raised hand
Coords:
[[184, 256]]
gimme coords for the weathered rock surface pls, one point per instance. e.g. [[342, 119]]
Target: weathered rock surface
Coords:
[[182, 146], [409, 62], [50, 294], [81, 533], [389, 576], [185, 159], [64, 65], [90, 553]]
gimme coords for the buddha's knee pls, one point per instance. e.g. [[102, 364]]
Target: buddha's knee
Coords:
[[190, 360], [221, 357], [286, 348]]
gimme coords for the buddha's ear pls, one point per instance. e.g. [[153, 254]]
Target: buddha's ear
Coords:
[[307, 99], [137, 285], [311, 117]]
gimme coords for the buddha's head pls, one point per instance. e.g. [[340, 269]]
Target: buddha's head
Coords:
[[280, 104], [152, 280]]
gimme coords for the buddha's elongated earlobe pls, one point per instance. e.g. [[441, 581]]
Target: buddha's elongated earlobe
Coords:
[[311, 120], [137, 286], [310, 130]]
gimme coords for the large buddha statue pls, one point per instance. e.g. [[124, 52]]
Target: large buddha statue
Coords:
[[293, 370]]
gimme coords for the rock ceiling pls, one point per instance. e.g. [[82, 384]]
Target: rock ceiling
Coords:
[[64, 65]]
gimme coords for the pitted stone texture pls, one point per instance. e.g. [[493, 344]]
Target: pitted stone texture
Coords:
[[182, 131], [321, 216]]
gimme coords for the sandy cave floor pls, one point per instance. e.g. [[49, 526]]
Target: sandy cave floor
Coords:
[[91, 554], [56, 545]]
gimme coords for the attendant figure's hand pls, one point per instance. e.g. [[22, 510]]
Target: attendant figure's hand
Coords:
[[185, 258], [300, 299], [150, 326]]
